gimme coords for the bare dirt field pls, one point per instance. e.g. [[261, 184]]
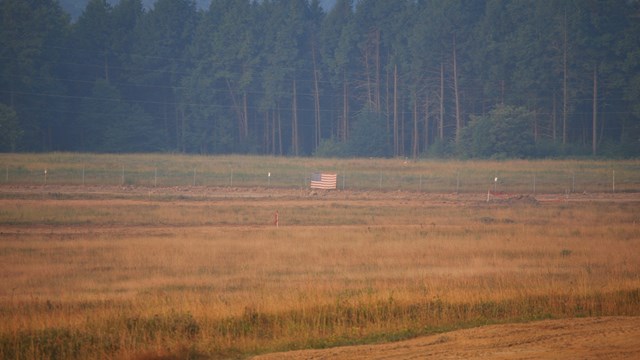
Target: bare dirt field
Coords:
[[583, 338]]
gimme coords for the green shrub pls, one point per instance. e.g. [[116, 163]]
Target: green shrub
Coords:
[[332, 148], [505, 132]]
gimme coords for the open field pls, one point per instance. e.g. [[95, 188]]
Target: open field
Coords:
[[432, 176], [143, 272]]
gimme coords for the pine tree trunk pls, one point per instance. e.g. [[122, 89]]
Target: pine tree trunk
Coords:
[[426, 122], [554, 119], [401, 137], [279, 130], [316, 96], [106, 66], [565, 107], [266, 134], [387, 106], [378, 75], [441, 120], [368, 74], [239, 110], [294, 121], [595, 111], [345, 109], [395, 111], [456, 92], [183, 129], [535, 126], [245, 117], [415, 126]]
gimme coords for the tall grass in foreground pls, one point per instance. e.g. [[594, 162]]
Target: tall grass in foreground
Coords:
[[162, 170], [118, 284]]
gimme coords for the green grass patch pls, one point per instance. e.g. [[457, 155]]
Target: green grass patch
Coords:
[[162, 170]]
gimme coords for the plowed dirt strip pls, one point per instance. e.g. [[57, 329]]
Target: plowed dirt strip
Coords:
[[584, 338], [186, 193]]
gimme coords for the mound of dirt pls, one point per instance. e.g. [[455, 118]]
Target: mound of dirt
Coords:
[[585, 338], [512, 200], [522, 200]]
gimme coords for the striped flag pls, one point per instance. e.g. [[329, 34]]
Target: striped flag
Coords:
[[324, 181]]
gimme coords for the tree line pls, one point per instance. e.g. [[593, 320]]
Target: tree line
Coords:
[[409, 78]]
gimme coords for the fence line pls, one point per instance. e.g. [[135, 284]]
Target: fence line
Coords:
[[458, 181]]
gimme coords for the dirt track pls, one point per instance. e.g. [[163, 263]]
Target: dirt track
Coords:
[[204, 192], [584, 338]]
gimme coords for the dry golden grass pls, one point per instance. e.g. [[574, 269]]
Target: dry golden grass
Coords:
[[141, 278]]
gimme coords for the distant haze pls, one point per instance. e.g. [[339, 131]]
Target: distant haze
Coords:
[[76, 7]]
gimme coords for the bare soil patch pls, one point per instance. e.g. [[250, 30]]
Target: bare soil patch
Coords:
[[583, 338]]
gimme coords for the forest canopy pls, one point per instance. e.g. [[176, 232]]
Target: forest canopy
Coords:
[[403, 78]]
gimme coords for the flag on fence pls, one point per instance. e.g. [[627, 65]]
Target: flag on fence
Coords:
[[324, 181]]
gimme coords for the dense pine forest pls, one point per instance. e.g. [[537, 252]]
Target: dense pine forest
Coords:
[[406, 78]]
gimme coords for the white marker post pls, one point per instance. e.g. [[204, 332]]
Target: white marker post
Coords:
[[495, 182], [269, 178], [45, 176]]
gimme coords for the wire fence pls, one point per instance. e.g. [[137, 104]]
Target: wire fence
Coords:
[[590, 180]]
